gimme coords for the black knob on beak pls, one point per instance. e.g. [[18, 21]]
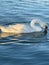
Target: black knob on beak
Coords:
[[46, 28]]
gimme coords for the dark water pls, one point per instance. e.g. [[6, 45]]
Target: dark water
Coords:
[[18, 49]]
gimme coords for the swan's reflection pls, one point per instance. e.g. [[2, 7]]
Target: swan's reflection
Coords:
[[23, 35], [3, 35], [22, 38]]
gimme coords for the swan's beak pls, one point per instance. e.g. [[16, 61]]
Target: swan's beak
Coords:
[[46, 29]]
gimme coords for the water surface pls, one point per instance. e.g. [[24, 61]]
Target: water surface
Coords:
[[18, 49]]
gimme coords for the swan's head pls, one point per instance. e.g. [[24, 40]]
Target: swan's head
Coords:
[[39, 25], [45, 30]]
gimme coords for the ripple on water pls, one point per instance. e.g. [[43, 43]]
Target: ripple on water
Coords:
[[21, 51]]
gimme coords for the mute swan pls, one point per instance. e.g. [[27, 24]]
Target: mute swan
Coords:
[[34, 26]]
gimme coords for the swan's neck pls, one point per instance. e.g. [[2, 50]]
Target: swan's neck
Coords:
[[36, 28], [40, 27]]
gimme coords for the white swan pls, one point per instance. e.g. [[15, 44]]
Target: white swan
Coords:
[[34, 26]]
